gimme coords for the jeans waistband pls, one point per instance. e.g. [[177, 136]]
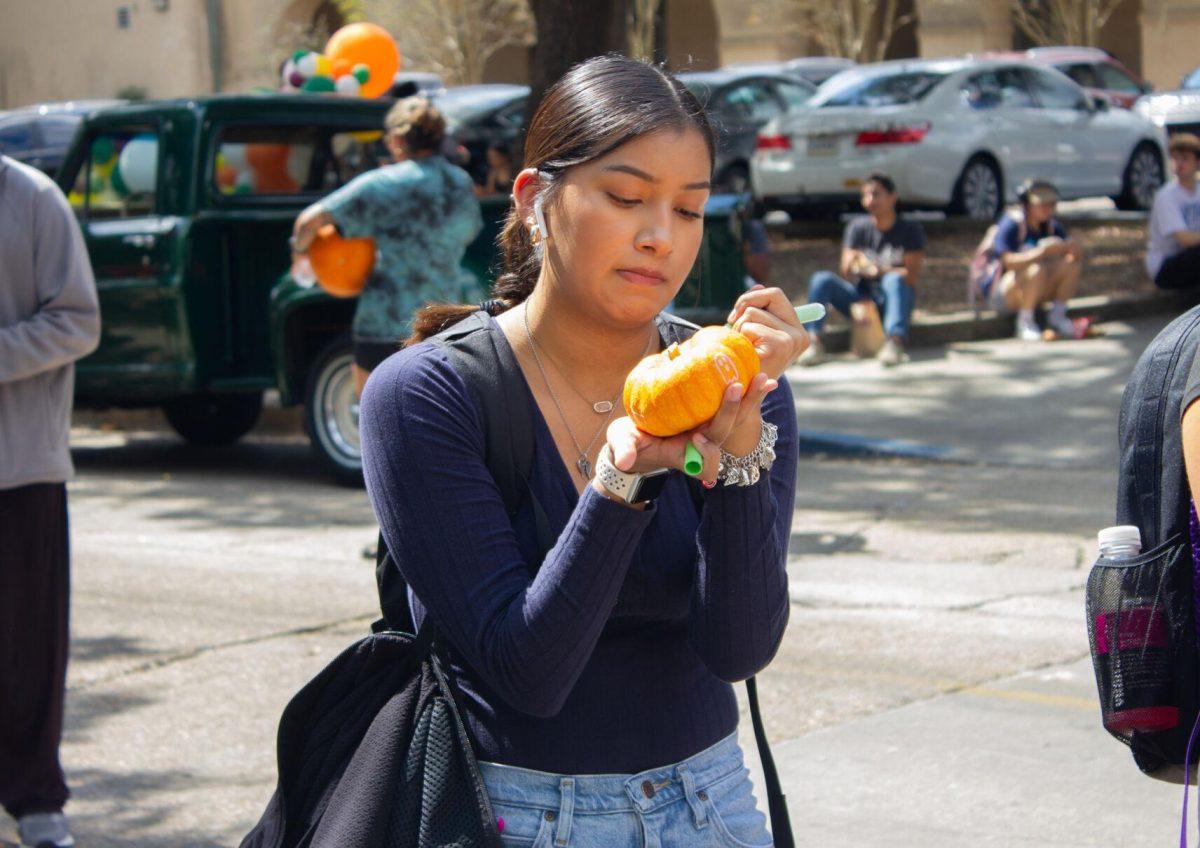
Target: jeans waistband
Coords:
[[644, 791]]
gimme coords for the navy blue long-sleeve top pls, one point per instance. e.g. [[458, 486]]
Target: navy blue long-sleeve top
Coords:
[[618, 654]]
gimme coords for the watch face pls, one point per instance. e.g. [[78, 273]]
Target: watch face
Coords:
[[649, 486]]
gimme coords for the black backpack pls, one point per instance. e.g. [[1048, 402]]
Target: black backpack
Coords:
[[1141, 612], [500, 395]]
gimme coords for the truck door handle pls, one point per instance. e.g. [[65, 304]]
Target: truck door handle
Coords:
[[139, 240]]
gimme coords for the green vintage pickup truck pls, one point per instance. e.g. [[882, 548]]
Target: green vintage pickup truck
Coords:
[[186, 207]]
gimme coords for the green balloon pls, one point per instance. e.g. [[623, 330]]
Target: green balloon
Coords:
[[318, 84], [102, 150], [242, 188], [118, 183], [298, 55], [361, 73]]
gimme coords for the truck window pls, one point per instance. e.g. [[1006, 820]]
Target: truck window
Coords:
[[297, 160], [119, 179]]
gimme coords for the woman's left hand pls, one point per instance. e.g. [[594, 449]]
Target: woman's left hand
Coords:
[[768, 319]]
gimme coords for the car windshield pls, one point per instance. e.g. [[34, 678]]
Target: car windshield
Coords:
[[463, 107], [1192, 80], [877, 89]]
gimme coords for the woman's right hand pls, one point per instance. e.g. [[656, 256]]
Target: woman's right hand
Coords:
[[308, 223]]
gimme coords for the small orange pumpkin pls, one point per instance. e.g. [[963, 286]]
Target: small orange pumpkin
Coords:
[[341, 265], [681, 388]]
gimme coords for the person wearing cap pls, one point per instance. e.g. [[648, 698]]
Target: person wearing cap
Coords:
[[1173, 252], [422, 213], [1040, 263]]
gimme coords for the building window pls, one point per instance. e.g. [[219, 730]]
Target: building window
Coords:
[[122, 17]]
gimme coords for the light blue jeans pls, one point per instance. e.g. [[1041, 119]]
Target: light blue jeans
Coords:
[[706, 801], [894, 297]]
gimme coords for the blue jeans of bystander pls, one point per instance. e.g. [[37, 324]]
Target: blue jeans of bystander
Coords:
[[894, 297]]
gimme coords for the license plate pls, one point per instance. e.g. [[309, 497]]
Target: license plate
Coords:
[[823, 145]]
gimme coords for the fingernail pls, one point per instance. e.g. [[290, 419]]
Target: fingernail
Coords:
[[736, 391], [700, 441], [709, 484]]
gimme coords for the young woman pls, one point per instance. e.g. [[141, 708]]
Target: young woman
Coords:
[[423, 215], [597, 687]]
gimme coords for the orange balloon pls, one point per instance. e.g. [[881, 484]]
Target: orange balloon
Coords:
[[341, 265], [269, 162], [226, 176], [370, 45], [341, 67]]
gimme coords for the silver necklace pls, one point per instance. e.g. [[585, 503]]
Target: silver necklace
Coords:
[[600, 407], [583, 463]]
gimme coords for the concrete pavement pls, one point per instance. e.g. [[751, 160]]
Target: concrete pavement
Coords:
[[932, 687]]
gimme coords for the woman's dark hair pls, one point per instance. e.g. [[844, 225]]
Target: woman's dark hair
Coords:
[[418, 122], [883, 181], [596, 107]]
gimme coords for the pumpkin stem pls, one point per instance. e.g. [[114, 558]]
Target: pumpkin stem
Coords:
[[673, 350]]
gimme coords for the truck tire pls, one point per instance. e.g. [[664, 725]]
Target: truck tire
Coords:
[[331, 412], [213, 419]]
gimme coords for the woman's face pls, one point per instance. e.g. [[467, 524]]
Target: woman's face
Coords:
[[625, 228]]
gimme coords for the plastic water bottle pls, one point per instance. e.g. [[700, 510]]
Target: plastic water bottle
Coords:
[[1133, 643]]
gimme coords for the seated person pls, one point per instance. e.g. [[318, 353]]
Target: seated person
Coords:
[[756, 247], [1173, 255], [1038, 263], [883, 253], [500, 172]]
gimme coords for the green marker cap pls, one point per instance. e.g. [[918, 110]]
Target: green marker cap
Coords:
[[693, 462]]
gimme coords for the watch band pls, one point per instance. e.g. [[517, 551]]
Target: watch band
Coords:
[[626, 486]]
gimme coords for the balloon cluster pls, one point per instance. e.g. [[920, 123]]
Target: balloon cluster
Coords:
[[117, 172], [262, 168], [360, 60]]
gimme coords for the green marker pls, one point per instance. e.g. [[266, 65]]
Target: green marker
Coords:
[[693, 463]]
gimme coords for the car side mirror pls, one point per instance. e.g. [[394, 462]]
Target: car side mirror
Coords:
[[1099, 104]]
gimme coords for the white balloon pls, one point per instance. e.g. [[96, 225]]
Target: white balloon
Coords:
[[348, 85], [235, 155], [298, 163], [307, 64], [139, 164]]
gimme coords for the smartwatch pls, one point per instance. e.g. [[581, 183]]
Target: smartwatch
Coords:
[[631, 488]]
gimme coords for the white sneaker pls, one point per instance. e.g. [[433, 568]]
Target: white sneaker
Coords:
[[814, 355], [891, 354], [45, 830], [1028, 332]]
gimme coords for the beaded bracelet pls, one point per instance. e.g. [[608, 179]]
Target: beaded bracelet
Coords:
[[746, 470]]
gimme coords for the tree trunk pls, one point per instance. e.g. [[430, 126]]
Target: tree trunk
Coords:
[[569, 31]]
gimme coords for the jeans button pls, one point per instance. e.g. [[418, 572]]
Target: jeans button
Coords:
[[647, 789], [550, 815], [702, 795]]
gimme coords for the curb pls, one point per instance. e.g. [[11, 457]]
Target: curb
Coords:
[[965, 326]]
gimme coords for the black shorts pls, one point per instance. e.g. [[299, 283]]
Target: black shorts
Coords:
[[369, 355]]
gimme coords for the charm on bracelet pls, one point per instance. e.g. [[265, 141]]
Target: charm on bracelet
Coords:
[[747, 470]]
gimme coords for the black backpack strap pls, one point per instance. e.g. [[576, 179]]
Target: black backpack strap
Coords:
[[673, 331]]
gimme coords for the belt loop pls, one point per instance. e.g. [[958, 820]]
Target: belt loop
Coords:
[[565, 811], [689, 792]]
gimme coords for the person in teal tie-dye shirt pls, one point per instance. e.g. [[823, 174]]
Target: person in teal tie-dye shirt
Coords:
[[422, 213]]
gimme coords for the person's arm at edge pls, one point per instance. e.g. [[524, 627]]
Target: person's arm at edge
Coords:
[[66, 326]]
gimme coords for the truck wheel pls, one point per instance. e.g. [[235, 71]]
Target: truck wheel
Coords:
[[331, 412], [213, 419]]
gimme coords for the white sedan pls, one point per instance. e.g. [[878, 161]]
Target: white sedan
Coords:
[[957, 134]]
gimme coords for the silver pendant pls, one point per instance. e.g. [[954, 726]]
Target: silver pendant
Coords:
[[602, 407], [585, 467]]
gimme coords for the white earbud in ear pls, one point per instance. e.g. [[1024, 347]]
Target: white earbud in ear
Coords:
[[540, 218]]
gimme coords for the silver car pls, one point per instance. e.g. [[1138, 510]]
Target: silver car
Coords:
[[959, 135], [1175, 111]]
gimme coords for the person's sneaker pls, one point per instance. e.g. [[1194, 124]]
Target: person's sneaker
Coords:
[[814, 355], [891, 354], [1061, 324], [1028, 332], [45, 830]]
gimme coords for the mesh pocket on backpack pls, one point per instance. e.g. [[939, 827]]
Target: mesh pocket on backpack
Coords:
[[1140, 626]]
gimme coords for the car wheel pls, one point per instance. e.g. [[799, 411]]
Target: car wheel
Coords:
[[735, 179], [1143, 177], [213, 419], [331, 412], [979, 193]]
